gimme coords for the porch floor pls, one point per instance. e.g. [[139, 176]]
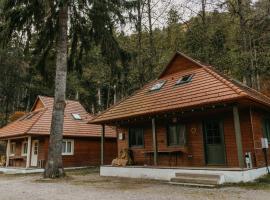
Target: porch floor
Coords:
[[20, 170], [212, 168], [227, 175]]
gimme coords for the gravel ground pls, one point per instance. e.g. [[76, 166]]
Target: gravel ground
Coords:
[[87, 185]]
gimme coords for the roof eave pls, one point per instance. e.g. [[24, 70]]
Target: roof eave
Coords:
[[114, 120]]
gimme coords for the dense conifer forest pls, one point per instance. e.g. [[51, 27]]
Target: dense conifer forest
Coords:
[[115, 49]]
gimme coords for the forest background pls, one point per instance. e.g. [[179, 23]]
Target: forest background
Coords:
[[231, 35]]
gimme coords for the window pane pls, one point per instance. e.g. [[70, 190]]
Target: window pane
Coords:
[[12, 148], [25, 148], [136, 137], [267, 129], [68, 147], [176, 135], [64, 147]]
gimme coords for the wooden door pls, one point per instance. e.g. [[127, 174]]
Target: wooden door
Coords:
[[34, 154], [214, 142]]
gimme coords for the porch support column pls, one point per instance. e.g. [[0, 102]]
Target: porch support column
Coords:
[[7, 153], [155, 150], [238, 136], [102, 144], [28, 152]]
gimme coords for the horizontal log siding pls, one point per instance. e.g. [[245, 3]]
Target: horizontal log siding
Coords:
[[195, 155], [87, 152]]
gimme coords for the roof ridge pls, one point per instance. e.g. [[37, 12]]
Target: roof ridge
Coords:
[[51, 97], [223, 78], [36, 120], [233, 83]]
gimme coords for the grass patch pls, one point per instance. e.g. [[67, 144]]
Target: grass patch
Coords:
[[83, 171], [262, 183]]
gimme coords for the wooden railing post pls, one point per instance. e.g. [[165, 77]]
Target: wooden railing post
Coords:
[[238, 136], [102, 144], [155, 149], [7, 153], [28, 152]]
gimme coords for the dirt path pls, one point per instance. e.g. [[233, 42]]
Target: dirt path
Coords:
[[88, 186]]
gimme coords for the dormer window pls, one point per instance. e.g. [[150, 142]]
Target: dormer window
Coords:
[[158, 85], [76, 116], [184, 79]]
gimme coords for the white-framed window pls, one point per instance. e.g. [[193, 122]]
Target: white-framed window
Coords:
[[68, 147], [12, 148], [24, 148]]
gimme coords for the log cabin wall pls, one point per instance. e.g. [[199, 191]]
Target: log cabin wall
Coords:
[[86, 152], [195, 154], [257, 121]]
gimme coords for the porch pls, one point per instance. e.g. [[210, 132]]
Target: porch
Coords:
[[24, 152], [203, 137], [225, 175], [20, 170]]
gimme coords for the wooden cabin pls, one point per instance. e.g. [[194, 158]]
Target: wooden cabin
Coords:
[[27, 138], [192, 116]]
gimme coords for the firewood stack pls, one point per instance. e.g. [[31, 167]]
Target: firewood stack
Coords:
[[2, 161], [125, 158]]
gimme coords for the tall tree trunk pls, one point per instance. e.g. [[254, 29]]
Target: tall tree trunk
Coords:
[[54, 166], [204, 32], [139, 42], [247, 77], [151, 38]]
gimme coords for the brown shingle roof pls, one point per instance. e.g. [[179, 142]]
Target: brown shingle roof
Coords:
[[38, 121], [207, 86]]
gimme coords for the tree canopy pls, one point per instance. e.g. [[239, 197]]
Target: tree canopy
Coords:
[[114, 50]]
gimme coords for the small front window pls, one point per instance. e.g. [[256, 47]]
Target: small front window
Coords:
[[24, 148], [136, 137], [184, 79], [266, 129], [12, 148], [176, 134], [68, 147]]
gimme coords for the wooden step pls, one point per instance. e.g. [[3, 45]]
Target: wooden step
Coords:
[[202, 180], [195, 180], [214, 176], [193, 185]]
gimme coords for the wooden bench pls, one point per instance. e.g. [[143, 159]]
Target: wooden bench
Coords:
[[14, 159], [170, 152]]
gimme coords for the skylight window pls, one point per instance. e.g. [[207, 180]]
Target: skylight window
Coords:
[[184, 79], [76, 116], [28, 116], [158, 85]]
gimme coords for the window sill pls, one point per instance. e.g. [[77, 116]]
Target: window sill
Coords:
[[176, 146], [67, 154], [137, 147]]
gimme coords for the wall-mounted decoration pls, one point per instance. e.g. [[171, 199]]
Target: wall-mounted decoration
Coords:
[[121, 136], [193, 130]]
